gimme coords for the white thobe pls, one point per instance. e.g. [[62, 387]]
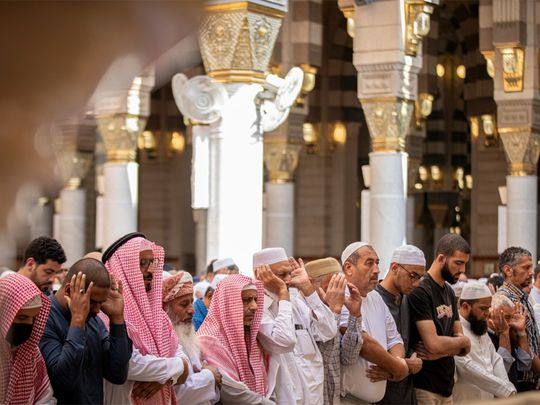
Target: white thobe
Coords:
[[297, 374], [481, 374], [145, 368], [47, 398], [380, 325], [199, 388]]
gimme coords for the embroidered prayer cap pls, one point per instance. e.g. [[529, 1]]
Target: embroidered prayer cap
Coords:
[[145, 245], [350, 249], [34, 302], [219, 264], [178, 285], [269, 256], [475, 291], [408, 254], [321, 267]]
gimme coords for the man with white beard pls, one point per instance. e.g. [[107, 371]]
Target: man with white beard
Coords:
[[202, 384]]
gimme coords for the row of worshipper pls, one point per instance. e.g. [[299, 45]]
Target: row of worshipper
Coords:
[[324, 332]]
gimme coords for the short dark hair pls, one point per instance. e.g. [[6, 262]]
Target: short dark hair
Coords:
[[452, 243], [210, 267], [209, 290], [44, 248], [94, 270], [511, 256], [496, 280]]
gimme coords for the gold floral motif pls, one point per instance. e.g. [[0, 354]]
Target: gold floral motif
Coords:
[[281, 160], [522, 150]]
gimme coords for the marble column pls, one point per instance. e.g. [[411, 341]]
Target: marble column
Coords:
[[121, 115], [239, 101], [387, 89]]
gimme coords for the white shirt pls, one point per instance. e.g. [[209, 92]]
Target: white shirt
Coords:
[[380, 325], [297, 371], [481, 374], [145, 368], [199, 388], [535, 294]]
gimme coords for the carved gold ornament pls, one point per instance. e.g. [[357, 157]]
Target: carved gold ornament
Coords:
[[417, 23], [522, 146], [512, 69]]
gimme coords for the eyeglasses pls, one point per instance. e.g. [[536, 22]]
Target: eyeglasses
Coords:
[[412, 275], [146, 263]]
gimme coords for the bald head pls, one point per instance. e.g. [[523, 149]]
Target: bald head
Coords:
[[93, 269]]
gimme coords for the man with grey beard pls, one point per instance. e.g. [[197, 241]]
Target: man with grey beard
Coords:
[[202, 384]]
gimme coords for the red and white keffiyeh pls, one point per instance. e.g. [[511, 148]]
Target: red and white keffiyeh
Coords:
[[221, 335], [23, 378], [148, 325]]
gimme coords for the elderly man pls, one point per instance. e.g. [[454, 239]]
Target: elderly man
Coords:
[[326, 275], [515, 264], [407, 266], [436, 332], [158, 362], [229, 340], [42, 262], [481, 373], [203, 380], [381, 356], [78, 349], [300, 376]]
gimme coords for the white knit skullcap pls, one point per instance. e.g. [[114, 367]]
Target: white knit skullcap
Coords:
[[458, 288], [408, 254], [218, 278], [145, 245], [32, 303], [249, 286], [269, 256], [349, 250], [475, 291], [219, 264]]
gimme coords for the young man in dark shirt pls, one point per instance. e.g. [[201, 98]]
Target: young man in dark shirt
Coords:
[[436, 333]]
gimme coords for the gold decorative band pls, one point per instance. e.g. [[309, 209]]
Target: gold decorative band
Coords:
[[238, 76], [244, 6], [121, 156]]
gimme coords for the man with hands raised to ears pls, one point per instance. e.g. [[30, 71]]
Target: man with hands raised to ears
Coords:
[[77, 348], [294, 319], [330, 282]]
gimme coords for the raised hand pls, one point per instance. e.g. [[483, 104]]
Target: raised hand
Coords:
[[335, 293], [354, 301], [519, 319], [78, 300], [114, 306], [300, 278], [496, 321], [272, 282]]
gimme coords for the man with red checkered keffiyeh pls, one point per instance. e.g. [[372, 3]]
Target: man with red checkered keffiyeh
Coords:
[[23, 374], [158, 362], [229, 340]]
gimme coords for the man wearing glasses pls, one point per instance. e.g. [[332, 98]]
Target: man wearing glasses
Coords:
[[407, 267]]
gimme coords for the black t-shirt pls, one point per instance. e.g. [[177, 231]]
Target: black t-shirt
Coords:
[[430, 301]]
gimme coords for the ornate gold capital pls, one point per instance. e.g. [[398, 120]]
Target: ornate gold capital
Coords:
[[417, 23], [490, 63], [281, 160], [120, 133], [237, 40], [513, 67], [522, 146], [388, 121]]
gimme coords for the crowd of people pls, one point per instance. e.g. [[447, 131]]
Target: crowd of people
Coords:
[[118, 329]]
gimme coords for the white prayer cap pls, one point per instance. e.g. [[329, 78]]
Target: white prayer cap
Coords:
[[349, 250], [218, 278], [458, 288], [475, 291], [269, 256], [219, 264], [32, 303], [408, 254], [249, 286]]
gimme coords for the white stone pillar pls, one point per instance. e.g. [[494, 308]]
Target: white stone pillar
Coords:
[[387, 204], [365, 198], [280, 216], [121, 200], [236, 172], [41, 219], [72, 224], [501, 229], [522, 214]]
